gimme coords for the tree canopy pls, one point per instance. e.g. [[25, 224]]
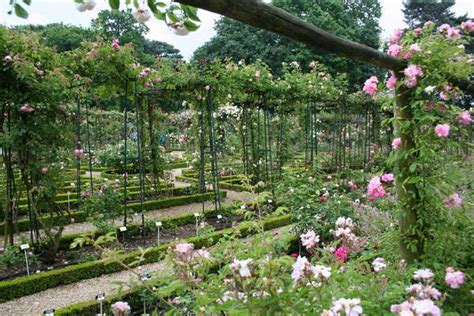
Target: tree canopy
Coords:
[[348, 19]]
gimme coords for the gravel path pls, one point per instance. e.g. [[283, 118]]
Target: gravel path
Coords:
[[81, 291]]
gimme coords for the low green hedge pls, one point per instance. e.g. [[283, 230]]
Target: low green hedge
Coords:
[[35, 283], [135, 229], [81, 216], [90, 307]]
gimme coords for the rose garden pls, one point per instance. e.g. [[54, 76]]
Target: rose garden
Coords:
[[224, 187]]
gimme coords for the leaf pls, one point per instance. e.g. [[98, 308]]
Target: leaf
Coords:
[[191, 12], [20, 12], [27, 2], [114, 4], [172, 17], [152, 6], [191, 26], [160, 15]]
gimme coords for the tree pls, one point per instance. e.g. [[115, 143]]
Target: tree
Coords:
[[345, 18], [61, 36], [161, 49], [418, 12], [124, 27]]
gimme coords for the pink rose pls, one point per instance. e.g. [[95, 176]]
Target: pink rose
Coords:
[[392, 82], [342, 253], [78, 152], [388, 177], [464, 118], [442, 130], [370, 86], [394, 50], [115, 44], [396, 143], [454, 278], [26, 108], [468, 26], [184, 251], [397, 34], [375, 188]]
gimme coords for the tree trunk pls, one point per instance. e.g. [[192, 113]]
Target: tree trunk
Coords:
[[411, 243]]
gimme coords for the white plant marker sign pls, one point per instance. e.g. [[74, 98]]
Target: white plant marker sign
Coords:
[[24, 248], [158, 227], [49, 312], [101, 298], [123, 229], [196, 215]]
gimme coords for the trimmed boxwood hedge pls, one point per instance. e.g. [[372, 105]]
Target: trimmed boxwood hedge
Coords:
[[80, 216], [28, 285]]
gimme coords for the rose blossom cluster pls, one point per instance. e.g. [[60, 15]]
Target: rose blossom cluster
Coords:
[[453, 201], [370, 85], [121, 309], [350, 307], [185, 253], [241, 267], [375, 188], [309, 240], [412, 72], [344, 226], [424, 294], [305, 273]]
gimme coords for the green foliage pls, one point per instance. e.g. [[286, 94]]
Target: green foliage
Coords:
[[39, 282]]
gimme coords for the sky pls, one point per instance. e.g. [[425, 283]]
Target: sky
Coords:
[[51, 11]]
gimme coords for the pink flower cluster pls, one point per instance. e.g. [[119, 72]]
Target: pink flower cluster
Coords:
[[453, 201], [350, 307], [392, 81], [303, 271], [422, 296], [115, 44], [78, 152], [449, 31], [26, 108], [396, 36], [241, 267], [344, 232], [396, 143], [370, 85], [442, 130], [464, 118], [394, 50], [387, 177], [375, 189], [121, 309], [412, 72], [468, 26], [352, 185], [309, 240], [454, 279]]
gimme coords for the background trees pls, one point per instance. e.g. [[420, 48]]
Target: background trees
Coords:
[[348, 19]]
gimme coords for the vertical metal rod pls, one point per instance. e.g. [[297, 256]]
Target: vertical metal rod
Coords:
[[141, 174], [125, 172], [89, 147], [78, 158]]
